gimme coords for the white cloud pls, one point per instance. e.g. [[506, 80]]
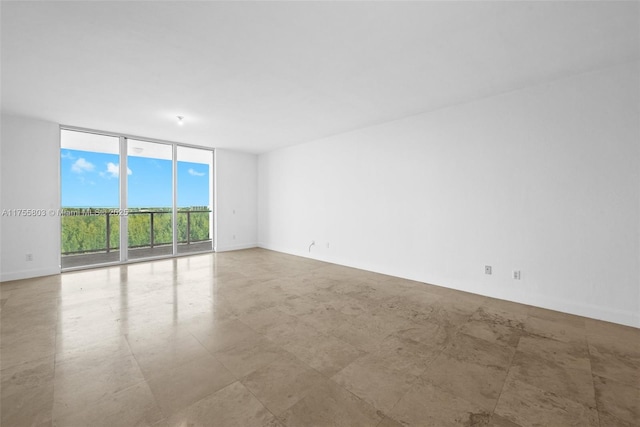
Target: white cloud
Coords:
[[113, 171], [195, 173], [67, 155], [81, 165]]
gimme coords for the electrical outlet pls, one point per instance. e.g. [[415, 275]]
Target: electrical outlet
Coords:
[[487, 269], [234, 237], [29, 257], [327, 245], [516, 274]]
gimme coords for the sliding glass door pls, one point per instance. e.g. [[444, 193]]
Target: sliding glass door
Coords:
[[154, 199], [194, 200], [149, 199]]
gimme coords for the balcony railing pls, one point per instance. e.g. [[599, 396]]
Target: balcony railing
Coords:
[[100, 232]]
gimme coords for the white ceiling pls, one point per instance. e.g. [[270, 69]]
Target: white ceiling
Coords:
[[256, 76]]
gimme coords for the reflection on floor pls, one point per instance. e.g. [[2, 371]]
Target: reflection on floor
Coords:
[[258, 338]]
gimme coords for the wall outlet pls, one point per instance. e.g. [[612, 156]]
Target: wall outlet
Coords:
[[29, 257], [516, 274], [234, 237], [327, 245], [487, 269]]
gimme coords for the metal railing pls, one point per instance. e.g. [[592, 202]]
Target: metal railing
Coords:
[[152, 241]]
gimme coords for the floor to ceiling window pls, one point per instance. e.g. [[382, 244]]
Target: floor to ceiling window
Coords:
[[161, 206], [90, 198]]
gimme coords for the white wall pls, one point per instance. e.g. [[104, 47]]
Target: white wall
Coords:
[[236, 200], [29, 158], [544, 180]]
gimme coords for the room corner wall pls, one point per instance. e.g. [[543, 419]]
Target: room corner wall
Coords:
[[236, 200], [29, 158], [544, 180]]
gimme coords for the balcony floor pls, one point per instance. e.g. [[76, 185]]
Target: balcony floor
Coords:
[[97, 258]]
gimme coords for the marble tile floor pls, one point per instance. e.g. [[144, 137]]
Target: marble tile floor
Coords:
[[259, 338]]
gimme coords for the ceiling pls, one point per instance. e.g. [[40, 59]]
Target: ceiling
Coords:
[[257, 76]]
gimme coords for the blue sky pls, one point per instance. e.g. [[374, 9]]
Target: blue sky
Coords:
[[90, 179]]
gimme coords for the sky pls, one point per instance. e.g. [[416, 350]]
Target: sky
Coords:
[[90, 179]]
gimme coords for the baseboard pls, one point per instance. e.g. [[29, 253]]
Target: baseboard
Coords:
[[228, 248], [622, 317], [28, 274]]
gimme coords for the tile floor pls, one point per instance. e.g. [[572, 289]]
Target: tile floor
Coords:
[[259, 338]]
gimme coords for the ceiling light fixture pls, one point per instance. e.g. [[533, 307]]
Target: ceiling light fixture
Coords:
[[180, 122]]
